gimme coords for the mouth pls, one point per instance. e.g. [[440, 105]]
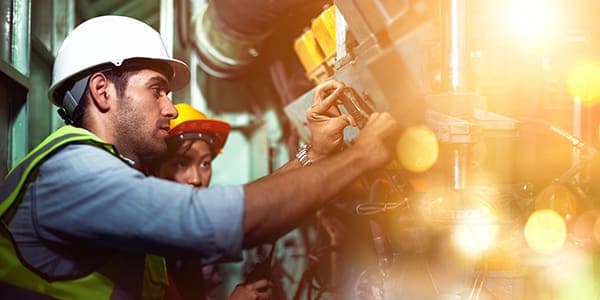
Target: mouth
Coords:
[[164, 129]]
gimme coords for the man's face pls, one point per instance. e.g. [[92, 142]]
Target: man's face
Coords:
[[143, 115], [189, 164]]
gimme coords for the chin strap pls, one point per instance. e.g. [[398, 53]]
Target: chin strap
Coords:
[[65, 116], [71, 100]]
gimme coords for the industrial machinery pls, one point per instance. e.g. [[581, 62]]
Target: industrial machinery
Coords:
[[492, 195], [494, 191]]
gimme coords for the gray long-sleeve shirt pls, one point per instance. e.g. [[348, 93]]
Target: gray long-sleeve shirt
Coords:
[[85, 204]]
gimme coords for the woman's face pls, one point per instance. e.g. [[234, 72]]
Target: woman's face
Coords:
[[189, 164]]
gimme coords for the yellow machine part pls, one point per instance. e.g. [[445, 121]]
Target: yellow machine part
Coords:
[[308, 51], [323, 28]]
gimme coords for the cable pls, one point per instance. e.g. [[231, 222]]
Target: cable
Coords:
[[372, 207], [366, 209], [310, 274]]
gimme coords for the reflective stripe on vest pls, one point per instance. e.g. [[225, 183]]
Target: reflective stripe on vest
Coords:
[[92, 286]]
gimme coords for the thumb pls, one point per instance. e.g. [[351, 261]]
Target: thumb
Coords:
[[341, 122]]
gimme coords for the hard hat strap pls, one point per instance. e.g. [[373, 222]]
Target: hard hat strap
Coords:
[[71, 99], [73, 96]]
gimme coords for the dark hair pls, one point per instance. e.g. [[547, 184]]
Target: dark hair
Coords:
[[118, 77]]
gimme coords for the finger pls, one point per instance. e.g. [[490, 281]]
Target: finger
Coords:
[[389, 125], [329, 101], [383, 123], [341, 122], [313, 114], [388, 119], [373, 118], [332, 110], [350, 119], [324, 89]]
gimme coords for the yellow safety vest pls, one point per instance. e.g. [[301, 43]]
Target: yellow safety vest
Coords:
[[97, 285]]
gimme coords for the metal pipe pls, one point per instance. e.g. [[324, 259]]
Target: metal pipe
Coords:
[[5, 29], [20, 36], [459, 166], [252, 17], [454, 67], [228, 35], [19, 58], [454, 45], [167, 16], [577, 132]]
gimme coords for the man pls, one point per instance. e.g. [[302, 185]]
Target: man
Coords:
[[81, 222], [193, 142]]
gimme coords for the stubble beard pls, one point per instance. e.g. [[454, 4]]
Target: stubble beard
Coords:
[[136, 134]]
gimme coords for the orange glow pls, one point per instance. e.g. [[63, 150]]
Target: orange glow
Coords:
[[545, 231], [533, 22], [584, 229], [558, 198], [596, 231], [475, 232], [417, 149], [583, 81]]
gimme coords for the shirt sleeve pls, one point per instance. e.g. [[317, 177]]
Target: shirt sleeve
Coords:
[[85, 194]]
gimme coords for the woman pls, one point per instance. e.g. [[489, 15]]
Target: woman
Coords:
[[193, 142]]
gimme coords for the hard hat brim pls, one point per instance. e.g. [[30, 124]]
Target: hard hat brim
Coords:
[[181, 74], [220, 128]]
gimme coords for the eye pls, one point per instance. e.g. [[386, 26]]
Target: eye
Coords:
[[180, 164], [205, 164], [158, 91]]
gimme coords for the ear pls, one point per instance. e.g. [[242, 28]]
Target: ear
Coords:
[[98, 87]]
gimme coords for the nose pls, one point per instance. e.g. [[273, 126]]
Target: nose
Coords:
[[195, 178], [169, 110]]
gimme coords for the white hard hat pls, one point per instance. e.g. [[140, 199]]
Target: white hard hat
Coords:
[[111, 39]]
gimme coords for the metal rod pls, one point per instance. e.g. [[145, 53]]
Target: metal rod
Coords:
[[459, 166], [454, 45]]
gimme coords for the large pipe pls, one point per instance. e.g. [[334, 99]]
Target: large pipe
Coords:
[[229, 33], [453, 15], [454, 45]]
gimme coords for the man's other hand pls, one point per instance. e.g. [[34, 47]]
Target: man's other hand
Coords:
[[377, 139]]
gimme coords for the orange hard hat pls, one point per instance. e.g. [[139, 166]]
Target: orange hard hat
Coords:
[[192, 124]]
